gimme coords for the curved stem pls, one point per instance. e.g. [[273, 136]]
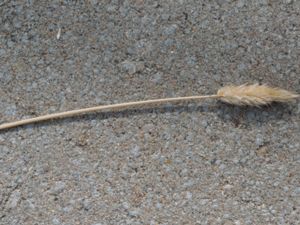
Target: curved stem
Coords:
[[99, 108]]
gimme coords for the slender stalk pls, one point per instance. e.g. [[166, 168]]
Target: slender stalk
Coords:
[[99, 108]]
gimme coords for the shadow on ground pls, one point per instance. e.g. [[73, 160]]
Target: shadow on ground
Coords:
[[237, 115]]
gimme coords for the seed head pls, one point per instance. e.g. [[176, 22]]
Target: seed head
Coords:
[[254, 95]]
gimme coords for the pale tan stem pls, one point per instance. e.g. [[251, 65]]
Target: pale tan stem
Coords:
[[99, 108]]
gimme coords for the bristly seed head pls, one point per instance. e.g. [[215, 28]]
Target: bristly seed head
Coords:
[[254, 95]]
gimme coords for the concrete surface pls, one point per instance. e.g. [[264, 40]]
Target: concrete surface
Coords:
[[195, 163]]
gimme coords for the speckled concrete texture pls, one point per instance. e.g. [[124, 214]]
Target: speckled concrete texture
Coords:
[[190, 163]]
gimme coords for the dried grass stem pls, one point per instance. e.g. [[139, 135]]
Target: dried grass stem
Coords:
[[251, 95], [100, 108]]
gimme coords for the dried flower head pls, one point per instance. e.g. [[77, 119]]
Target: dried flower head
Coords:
[[254, 95]]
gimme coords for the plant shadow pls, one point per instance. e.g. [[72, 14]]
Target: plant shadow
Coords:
[[236, 115], [247, 115]]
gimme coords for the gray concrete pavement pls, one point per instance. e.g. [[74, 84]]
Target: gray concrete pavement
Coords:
[[196, 163]]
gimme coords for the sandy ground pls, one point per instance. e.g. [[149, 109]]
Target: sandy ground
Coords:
[[192, 163]]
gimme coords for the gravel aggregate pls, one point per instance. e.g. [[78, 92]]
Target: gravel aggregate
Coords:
[[190, 163]]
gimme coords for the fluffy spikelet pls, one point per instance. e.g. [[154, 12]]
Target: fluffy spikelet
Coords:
[[254, 95]]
